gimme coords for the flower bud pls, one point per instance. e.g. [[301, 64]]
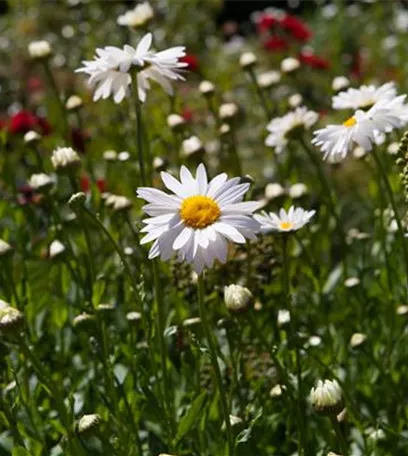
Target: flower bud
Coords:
[[56, 249], [248, 60], [31, 137], [298, 190], [326, 397], [175, 122], [77, 201], [283, 317], [159, 164], [84, 321], [74, 102], [39, 50], [228, 111], [206, 88], [357, 339], [277, 390], [110, 155], [89, 423], [224, 129], [351, 282], [11, 319], [289, 65], [268, 79], [134, 317], [5, 248], [340, 83], [41, 182], [192, 146], [65, 159], [273, 191], [140, 16], [295, 100], [237, 298]]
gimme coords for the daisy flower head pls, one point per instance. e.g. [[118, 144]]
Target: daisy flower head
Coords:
[[364, 97], [198, 219], [336, 141], [285, 221], [291, 125], [110, 70]]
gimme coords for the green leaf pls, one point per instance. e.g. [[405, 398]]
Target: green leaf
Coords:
[[332, 280], [20, 451], [190, 418]]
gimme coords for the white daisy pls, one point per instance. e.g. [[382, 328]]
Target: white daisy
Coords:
[[139, 16], [362, 128], [282, 129], [197, 220], [109, 70], [286, 221], [364, 97]]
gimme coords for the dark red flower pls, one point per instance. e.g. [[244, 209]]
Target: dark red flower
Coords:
[[357, 65], [79, 139], [85, 184], [265, 22], [192, 62], [298, 29], [276, 44], [26, 195], [24, 121], [34, 84], [314, 61], [187, 114], [101, 184], [44, 126]]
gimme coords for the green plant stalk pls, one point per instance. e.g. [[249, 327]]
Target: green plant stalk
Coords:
[[393, 203], [261, 94], [339, 435], [286, 291], [139, 134], [214, 361], [18, 439], [9, 275]]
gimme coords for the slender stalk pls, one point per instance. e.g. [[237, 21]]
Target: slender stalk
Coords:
[[393, 203], [4, 407], [339, 434], [139, 135], [214, 361], [261, 94]]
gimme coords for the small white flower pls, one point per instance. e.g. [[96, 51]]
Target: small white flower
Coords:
[[274, 190], [237, 298], [31, 137], [198, 219], [227, 111], [359, 152], [206, 88], [39, 49], [326, 397], [315, 341], [286, 221], [351, 282], [225, 129], [282, 129], [336, 141], [73, 102], [289, 64], [123, 156], [175, 121], [283, 317], [65, 158], [159, 164], [295, 100], [277, 390], [5, 248], [110, 155], [248, 60], [393, 148], [298, 190], [11, 319], [191, 146], [118, 203], [364, 97], [268, 79], [89, 423], [56, 248], [41, 181], [402, 310], [357, 339], [340, 83], [137, 17]]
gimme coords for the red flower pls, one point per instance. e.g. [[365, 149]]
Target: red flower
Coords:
[[314, 61], [26, 195], [85, 184], [34, 84], [101, 184], [275, 44], [187, 114], [298, 29], [24, 121], [192, 62], [265, 22], [79, 139]]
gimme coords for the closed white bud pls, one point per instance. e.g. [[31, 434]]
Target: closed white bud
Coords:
[[359, 152], [141, 15], [31, 137], [134, 317], [277, 390], [206, 88], [84, 321], [331, 453], [5, 248], [393, 148], [192, 145], [159, 164], [191, 322], [289, 64], [283, 317], [273, 191], [225, 129], [73, 102], [268, 79], [123, 156], [228, 111], [39, 49], [357, 339], [237, 298], [351, 282], [64, 159], [298, 190], [402, 310], [295, 100], [175, 122], [248, 60], [118, 203], [326, 397], [110, 155], [11, 319], [340, 83], [56, 249], [89, 423], [41, 182], [77, 201]]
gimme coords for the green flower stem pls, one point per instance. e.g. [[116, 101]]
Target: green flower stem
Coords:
[[393, 203], [261, 95], [139, 133], [293, 336], [331, 202], [339, 435], [55, 90], [214, 361], [161, 323], [4, 407], [90, 257], [10, 278], [237, 166]]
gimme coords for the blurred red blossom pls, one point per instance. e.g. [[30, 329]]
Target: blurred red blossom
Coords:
[[85, 184], [79, 138], [265, 22], [192, 62], [24, 120], [276, 44], [314, 61], [297, 28]]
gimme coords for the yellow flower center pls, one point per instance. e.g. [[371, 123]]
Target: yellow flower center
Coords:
[[199, 211], [286, 225], [350, 122]]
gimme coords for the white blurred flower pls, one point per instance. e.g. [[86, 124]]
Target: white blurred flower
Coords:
[[227, 111], [73, 102], [268, 79], [139, 16], [289, 64], [291, 220], [39, 49], [248, 60], [326, 397], [282, 129], [41, 181], [401, 20], [88, 423], [283, 317], [5, 248], [110, 155], [123, 156], [393, 148], [298, 190], [364, 97], [56, 248], [192, 145], [64, 158], [295, 100], [274, 190], [357, 339], [118, 203], [277, 390], [31, 137], [351, 282], [206, 88], [340, 83], [175, 121]]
